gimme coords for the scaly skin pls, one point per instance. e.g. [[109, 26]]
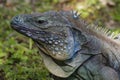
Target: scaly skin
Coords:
[[70, 49]]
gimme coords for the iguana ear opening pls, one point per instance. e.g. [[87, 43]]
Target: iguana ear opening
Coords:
[[79, 39], [80, 36], [85, 44]]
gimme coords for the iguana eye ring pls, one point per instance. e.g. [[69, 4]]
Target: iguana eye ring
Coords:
[[41, 21]]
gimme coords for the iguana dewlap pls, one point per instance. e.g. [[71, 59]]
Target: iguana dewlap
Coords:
[[70, 48]]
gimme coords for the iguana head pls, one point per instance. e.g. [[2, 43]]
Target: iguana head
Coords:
[[52, 31]]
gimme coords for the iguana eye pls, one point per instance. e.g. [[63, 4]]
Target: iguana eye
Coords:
[[41, 21]]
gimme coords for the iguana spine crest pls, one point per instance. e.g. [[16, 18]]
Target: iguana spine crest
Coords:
[[97, 29]]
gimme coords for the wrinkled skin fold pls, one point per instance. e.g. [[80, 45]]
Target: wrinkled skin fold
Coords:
[[70, 49]]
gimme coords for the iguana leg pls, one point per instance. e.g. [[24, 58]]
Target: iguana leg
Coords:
[[94, 69]]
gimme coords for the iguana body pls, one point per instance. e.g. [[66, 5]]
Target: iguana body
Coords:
[[71, 50]]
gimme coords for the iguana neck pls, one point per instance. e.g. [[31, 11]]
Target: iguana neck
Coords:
[[108, 47]]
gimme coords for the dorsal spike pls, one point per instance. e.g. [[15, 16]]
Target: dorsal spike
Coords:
[[103, 31], [75, 14], [112, 35], [117, 37]]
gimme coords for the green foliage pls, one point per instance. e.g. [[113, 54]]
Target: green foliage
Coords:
[[115, 13]]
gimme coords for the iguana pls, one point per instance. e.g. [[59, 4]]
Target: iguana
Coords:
[[71, 49]]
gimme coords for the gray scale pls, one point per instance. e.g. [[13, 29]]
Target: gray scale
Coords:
[[53, 53], [37, 32], [42, 39], [36, 37], [50, 48], [56, 49], [61, 49], [51, 38], [29, 33], [66, 41], [46, 39], [69, 48], [23, 31], [56, 42], [50, 42], [53, 45], [59, 52], [64, 47], [61, 44], [59, 41]]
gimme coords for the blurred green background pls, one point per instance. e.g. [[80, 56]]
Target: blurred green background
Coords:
[[19, 57]]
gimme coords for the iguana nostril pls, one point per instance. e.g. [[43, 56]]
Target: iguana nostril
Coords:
[[15, 20]]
